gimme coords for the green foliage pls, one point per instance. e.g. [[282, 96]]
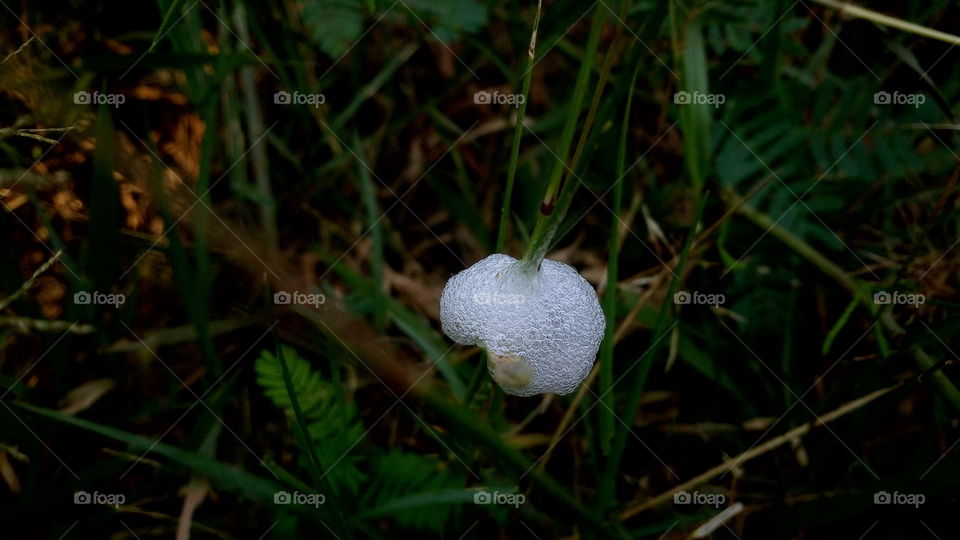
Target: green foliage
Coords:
[[396, 479], [394, 183], [450, 19], [334, 424], [334, 25], [398, 474]]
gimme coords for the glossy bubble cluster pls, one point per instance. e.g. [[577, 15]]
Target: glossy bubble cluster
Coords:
[[541, 329]]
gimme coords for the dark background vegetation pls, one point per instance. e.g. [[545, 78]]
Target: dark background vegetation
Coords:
[[200, 197]]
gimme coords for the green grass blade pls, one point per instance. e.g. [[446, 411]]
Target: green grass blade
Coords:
[[838, 326], [553, 207], [368, 193], [165, 25], [609, 299], [229, 477], [432, 344], [517, 135], [411, 324], [373, 86], [642, 367], [422, 501], [307, 444], [690, 53], [105, 211]]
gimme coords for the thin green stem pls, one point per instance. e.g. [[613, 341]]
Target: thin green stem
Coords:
[[518, 134], [610, 293], [553, 208], [307, 443], [943, 383], [368, 195], [606, 489]]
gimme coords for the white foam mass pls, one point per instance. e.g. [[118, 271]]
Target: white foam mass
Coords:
[[541, 329]]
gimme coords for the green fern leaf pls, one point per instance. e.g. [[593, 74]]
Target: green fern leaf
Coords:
[[398, 475], [334, 424]]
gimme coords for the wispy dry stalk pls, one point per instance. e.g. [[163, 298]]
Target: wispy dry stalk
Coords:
[[29, 283], [790, 436]]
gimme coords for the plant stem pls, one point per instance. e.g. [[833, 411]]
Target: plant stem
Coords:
[[607, 487], [320, 477], [29, 283], [518, 134], [886, 20], [553, 207], [943, 383], [948, 391], [610, 292], [804, 249]]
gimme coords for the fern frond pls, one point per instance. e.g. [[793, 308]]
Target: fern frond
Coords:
[[398, 474], [335, 426]]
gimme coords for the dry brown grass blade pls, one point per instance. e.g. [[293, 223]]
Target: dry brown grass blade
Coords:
[[193, 495], [8, 474], [27, 284], [758, 450], [84, 396]]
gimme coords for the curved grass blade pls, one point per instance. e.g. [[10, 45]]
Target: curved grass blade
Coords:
[[306, 443], [166, 24], [231, 478]]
